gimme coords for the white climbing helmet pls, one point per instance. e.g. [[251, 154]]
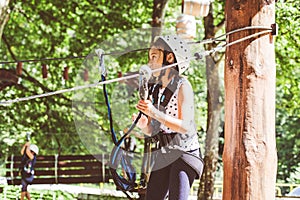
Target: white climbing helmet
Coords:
[[34, 148], [180, 49]]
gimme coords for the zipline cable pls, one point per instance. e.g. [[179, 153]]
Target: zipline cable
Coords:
[[67, 90], [8, 102], [197, 56], [211, 40], [247, 37], [42, 59], [218, 48]]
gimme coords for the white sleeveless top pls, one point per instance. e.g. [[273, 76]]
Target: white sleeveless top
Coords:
[[188, 141]]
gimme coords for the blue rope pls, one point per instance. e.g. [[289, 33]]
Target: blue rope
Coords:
[[121, 182]]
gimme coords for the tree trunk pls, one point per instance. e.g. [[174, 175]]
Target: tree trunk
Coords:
[[214, 111], [158, 16], [212, 134], [250, 160]]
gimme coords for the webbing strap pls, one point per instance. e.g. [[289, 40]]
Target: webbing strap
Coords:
[[162, 102], [167, 94]]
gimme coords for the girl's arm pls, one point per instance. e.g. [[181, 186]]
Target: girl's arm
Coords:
[[26, 149], [185, 121]]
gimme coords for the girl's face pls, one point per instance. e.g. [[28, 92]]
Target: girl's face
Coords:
[[156, 58]]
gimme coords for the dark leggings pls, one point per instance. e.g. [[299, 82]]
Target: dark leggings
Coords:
[[174, 180], [25, 182], [24, 185]]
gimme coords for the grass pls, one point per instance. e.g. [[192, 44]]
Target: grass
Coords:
[[9, 192]]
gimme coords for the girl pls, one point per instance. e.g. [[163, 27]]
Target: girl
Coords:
[[29, 152], [170, 121]]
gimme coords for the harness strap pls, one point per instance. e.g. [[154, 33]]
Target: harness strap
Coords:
[[163, 100], [167, 94], [166, 139]]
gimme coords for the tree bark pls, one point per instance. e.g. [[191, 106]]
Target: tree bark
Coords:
[[158, 16], [212, 134], [250, 160]]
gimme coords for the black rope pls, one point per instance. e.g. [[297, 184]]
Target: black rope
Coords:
[[72, 57], [42, 59]]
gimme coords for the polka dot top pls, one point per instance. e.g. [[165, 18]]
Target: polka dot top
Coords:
[[188, 141]]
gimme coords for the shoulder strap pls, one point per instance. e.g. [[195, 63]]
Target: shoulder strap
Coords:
[[167, 94]]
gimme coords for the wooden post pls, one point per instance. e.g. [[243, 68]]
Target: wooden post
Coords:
[[250, 160]]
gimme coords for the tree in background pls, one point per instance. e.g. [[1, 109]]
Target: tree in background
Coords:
[[213, 25], [158, 15]]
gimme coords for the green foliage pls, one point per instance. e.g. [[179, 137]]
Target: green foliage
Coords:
[[288, 90], [55, 29], [11, 192]]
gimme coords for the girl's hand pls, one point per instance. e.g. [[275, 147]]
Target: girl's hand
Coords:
[[146, 107], [143, 121]]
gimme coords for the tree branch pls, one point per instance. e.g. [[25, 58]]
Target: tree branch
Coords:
[[98, 9], [9, 48], [219, 26]]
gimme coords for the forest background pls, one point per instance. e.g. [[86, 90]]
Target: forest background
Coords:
[[35, 30]]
